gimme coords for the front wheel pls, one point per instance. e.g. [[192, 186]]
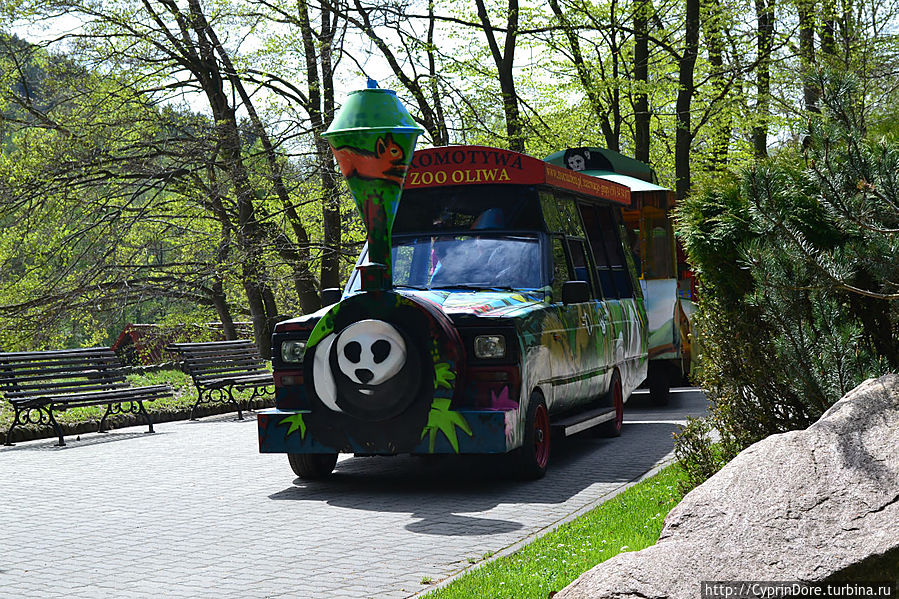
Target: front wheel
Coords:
[[533, 456], [312, 466]]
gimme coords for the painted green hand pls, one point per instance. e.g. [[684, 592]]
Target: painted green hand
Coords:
[[296, 424], [443, 374], [441, 418]]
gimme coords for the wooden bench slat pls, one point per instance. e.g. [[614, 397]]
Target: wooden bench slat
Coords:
[[104, 395], [236, 358], [62, 353], [205, 344], [212, 358], [217, 373], [50, 372], [61, 391], [226, 367], [227, 376], [36, 365], [54, 375], [261, 377]]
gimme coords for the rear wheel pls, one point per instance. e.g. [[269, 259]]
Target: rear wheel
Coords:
[[312, 466], [615, 396], [533, 456], [659, 382]]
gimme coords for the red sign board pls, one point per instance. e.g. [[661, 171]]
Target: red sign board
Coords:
[[472, 165], [575, 181]]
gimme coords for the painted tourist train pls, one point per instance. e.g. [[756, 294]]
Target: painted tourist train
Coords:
[[499, 300]]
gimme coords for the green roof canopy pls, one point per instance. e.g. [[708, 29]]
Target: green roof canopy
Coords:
[[601, 159]]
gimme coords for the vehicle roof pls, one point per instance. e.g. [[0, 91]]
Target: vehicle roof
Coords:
[[632, 183]]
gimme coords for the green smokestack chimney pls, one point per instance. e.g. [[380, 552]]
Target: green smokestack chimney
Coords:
[[373, 138]]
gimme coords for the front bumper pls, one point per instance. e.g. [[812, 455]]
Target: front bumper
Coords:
[[478, 432]]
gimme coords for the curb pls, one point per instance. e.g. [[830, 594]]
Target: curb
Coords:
[[665, 461]]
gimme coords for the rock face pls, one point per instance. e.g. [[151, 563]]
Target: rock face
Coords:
[[816, 505]]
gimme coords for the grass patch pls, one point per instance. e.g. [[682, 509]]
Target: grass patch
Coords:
[[183, 398], [629, 522]]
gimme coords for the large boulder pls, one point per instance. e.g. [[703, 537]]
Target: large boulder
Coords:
[[816, 505]]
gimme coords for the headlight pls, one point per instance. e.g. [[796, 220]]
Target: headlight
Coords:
[[292, 351], [489, 346]]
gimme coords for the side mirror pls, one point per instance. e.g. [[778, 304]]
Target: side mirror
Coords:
[[575, 292], [331, 295]]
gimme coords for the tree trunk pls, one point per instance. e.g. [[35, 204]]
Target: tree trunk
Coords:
[[810, 92], [828, 28], [249, 235], [317, 50], [504, 60], [764, 12], [223, 310], [721, 127], [304, 281], [440, 134], [641, 80], [684, 135], [588, 83]]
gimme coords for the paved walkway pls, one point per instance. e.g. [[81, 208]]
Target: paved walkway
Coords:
[[194, 511]]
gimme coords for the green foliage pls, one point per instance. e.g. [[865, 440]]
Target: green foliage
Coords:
[[799, 278], [629, 522], [118, 202]]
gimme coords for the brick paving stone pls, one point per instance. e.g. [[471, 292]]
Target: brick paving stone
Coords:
[[195, 511]]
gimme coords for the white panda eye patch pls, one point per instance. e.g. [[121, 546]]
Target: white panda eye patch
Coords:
[[380, 349], [353, 352]]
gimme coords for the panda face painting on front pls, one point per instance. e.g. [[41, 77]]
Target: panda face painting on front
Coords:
[[366, 370]]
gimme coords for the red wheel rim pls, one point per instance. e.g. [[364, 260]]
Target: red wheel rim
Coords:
[[541, 437], [619, 405]]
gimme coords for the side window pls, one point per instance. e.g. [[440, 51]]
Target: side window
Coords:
[[632, 233], [597, 243], [579, 262], [659, 259], [560, 214], [604, 234], [560, 268], [551, 214], [623, 264], [568, 213]]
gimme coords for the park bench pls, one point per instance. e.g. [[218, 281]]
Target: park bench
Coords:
[[219, 367], [39, 383]]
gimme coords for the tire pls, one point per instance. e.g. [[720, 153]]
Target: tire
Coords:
[[533, 456], [312, 466], [615, 396], [659, 382]]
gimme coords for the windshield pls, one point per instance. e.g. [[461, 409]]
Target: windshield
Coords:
[[465, 261]]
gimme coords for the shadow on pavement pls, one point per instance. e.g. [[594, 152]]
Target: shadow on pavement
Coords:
[[441, 490], [76, 441]]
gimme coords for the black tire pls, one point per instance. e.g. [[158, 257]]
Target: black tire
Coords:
[[659, 382], [312, 466], [533, 456], [615, 397]]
